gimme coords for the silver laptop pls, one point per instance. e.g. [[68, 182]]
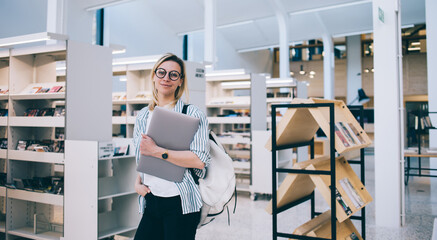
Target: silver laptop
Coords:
[[170, 130]]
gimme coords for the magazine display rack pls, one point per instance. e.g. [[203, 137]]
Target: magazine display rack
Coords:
[[34, 126], [297, 128]]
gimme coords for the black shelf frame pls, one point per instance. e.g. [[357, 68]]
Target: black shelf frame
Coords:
[[332, 173], [419, 133]]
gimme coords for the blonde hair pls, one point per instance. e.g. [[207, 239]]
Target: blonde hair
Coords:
[[180, 90]]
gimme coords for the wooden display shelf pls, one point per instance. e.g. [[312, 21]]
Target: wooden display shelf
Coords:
[[3, 153], [228, 120], [301, 124], [38, 96], [295, 186], [343, 171], [37, 121], [2, 191], [3, 121], [32, 156], [320, 226], [46, 198], [27, 232], [119, 120]]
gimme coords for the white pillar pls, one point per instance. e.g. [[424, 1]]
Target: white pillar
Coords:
[[328, 67], [328, 60], [388, 121], [431, 48], [284, 48], [210, 32], [353, 53], [78, 23], [55, 16]]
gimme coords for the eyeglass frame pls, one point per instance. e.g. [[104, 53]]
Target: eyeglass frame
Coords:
[[180, 74]]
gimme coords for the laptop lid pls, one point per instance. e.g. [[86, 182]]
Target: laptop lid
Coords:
[[173, 131]]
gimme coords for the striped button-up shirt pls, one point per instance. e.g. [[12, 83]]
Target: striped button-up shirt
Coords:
[[189, 191]]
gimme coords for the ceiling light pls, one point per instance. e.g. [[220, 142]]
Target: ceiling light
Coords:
[[123, 79], [301, 72], [366, 70], [415, 44], [373, 70], [30, 38], [312, 73], [291, 73], [311, 76], [413, 48]]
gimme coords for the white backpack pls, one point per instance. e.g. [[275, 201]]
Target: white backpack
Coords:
[[219, 186]]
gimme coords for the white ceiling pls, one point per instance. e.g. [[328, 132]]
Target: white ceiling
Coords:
[[249, 24]]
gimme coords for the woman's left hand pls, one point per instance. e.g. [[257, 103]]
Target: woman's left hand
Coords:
[[147, 145]]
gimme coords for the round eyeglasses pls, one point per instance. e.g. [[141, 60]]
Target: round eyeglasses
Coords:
[[173, 75]]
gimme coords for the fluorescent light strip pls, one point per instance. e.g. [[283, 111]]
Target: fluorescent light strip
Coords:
[[279, 81], [118, 51], [415, 44], [235, 24], [330, 7], [413, 48]]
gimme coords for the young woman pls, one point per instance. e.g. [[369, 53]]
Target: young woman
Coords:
[[171, 210]]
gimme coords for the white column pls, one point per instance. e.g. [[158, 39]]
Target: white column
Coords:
[[55, 16], [78, 23], [388, 122], [328, 67], [431, 48], [284, 48], [210, 32], [328, 60], [353, 53]]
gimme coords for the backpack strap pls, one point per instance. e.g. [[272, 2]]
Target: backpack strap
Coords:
[[193, 174]]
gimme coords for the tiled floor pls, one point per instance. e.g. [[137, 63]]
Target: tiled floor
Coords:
[[251, 221]]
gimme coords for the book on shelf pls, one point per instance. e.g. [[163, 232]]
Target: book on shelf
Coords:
[[346, 133], [3, 112], [34, 90], [352, 236], [59, 111], [352, 193], [43, 90], [55, 89], [357, 133], [342, 203], [341, 136], [4, 91]]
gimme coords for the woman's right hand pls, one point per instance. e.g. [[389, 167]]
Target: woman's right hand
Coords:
[[140, 188]]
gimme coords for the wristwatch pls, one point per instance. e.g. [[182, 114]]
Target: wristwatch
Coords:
[[165, 154]]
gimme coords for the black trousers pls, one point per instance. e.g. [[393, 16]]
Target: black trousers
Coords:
[[163, 220]]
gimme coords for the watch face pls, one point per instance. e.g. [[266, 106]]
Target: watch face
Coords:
[[165, 155]]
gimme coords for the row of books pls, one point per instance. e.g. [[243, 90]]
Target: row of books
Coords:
[[53, 89], [50, 184], [348, 134], [41, 146], [45, 112], [4, 91], [352, 193], [425, 122], [3, 112]]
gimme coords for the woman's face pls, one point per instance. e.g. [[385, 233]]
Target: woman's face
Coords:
[[164, 78]]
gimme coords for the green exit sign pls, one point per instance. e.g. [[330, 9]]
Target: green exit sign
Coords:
[[381, 14]]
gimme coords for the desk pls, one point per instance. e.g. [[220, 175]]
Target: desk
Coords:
[[419, 157]]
